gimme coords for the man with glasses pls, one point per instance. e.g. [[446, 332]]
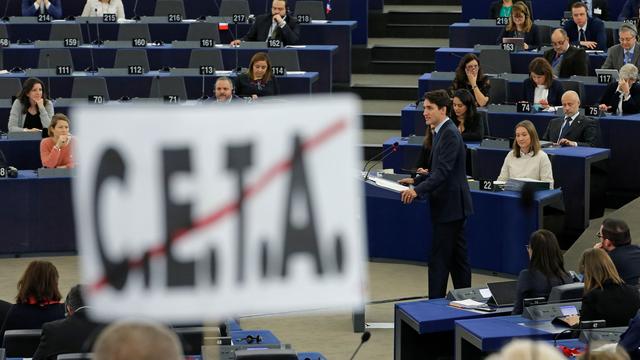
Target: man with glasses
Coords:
[[615, 238], [277, 25], [627, 52], [565, 59], [586, 31]]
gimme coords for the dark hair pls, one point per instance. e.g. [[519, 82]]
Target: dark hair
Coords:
[[471, 116], [461, 80], [438, 97], [616, 231], [427, 143], [533, 134], [54, 121], [74, 299], [580, 4], [540, 66], [546, 256], [38, 283], [261, 56], [26, 88]]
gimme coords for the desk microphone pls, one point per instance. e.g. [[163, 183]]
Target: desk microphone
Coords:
[[6, 8], [135, 12], [393, 150], [365, 337], [93, 64], [235, 37], [203, 97], [49, 77], [158, 86], [382, 153], [98, 41]]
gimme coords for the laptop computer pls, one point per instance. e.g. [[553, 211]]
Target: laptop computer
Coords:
[[503, 293], [518, 43]]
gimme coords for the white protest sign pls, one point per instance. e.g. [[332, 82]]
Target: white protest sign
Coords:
[[186, 213]]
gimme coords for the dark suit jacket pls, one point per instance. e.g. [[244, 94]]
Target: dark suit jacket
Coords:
[[630, 339], [615, 57], [494, 9], [629, 10], [473, 129], [259, 31], [616, 304], [574, 62], [595, 32], [611, 98], [583, 130], [55, 9], [555, 92], [532, 38], [74, 334], [446, 184], [626, 258], [533, 283], [25, 316]]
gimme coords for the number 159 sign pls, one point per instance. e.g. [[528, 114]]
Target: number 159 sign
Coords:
[[187, 213]]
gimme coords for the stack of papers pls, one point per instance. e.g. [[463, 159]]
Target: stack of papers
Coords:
[[468, 304]]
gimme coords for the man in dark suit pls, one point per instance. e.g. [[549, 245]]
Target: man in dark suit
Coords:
[[629, 10], [565, 59], [35, 7], [223, 91], [597, 8], [584, 30], [74, 334], [615, 239], [574, 129], [627, 52], [275, 26], [449, 197]]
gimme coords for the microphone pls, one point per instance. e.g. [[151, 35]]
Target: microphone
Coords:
[[98, 41], [203, 97], [49, 77], [381, 154], [365, 337], [235, 37], [135, 12], [92, 68], [393, 150], [6, 8], [158, 86]]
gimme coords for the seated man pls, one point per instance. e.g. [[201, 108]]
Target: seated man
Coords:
[[138, 340], [585, 31], [598, 8], [565, 59], [74, 334], [224, 90], [616, 241], [622, 97], [627, 52], [275, 26], [35, 7], [574, 129]]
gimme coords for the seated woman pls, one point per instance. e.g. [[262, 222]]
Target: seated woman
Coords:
[[606, 296], [38, 299], [424, 159], [466, 117], [541, 89], [546, 269], [101, 7], [521, 26], [32, 110], [527, 160], [259, 80], [55, 151], [622, 97], [33, 8], [469, 76]]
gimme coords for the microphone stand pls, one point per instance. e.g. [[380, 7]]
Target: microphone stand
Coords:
[[6, 8], [93, 64], [394, 148], [98, 41]]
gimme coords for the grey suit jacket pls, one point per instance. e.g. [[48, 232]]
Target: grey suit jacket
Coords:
[[16, 116], [615, 57]]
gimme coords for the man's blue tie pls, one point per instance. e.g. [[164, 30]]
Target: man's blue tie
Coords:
[[627, 57], [565, 128]]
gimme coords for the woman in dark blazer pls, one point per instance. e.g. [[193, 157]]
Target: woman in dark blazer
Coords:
[[606, 296], [469, 76], [541, 88], [546, 269], [465, 115], [259, 80], [38, 299], [521, 26]]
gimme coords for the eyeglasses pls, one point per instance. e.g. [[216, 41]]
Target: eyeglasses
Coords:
[[471, 67]]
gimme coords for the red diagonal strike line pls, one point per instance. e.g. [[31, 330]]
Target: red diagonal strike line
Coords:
[[232, 207]]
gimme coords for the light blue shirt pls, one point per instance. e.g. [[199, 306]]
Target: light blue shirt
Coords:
[[437, 129]]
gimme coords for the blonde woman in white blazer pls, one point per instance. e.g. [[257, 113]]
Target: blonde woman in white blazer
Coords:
[[101, 7]]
